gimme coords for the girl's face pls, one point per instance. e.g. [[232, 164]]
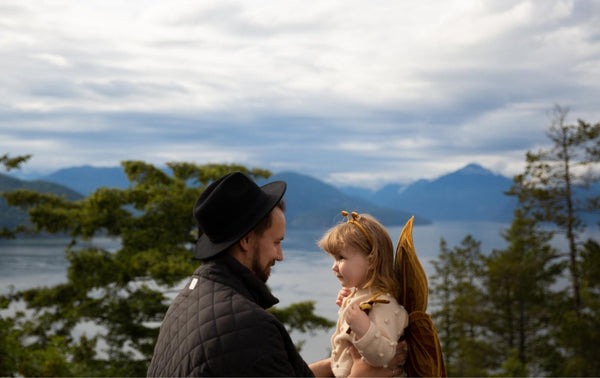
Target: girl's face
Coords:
[[351, 267]]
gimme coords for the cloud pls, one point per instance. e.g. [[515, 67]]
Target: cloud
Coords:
[[342, 90], [53, 59], [127, 88]]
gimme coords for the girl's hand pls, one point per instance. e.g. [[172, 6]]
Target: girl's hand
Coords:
[[358, 320], [343, 293]]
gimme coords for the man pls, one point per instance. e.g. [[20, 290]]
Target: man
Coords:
[[218, 324]]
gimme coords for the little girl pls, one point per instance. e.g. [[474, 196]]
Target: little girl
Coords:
[[370, 317]]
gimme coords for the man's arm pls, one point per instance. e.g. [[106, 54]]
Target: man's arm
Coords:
[[361, 368], [322, 368]]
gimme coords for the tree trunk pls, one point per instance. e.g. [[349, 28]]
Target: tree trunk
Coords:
[[570, 225]]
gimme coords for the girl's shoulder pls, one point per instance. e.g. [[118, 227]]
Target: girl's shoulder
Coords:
[[380, 297], [391, 304], [393, 301], [392, 308]]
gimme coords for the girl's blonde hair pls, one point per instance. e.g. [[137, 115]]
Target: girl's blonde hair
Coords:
[[380, 254]]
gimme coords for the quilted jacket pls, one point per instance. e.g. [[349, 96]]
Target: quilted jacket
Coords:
[[218, 326]]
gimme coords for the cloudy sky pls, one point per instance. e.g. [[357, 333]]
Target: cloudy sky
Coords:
[[351, 92]]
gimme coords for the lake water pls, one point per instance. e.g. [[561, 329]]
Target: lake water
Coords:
[[305, 274]]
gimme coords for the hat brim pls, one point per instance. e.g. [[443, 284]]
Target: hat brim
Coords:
[[274, 191]]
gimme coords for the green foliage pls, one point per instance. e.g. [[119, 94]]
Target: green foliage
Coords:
[[14, 162], [553, 189], [123, 292], [513, 366], [11, 217], [518, 283], [10, 346], [14, 221], [301, 317], [23, 353], [555, 180], [458, 300], [580, 333], [509, 313], [590, 271]]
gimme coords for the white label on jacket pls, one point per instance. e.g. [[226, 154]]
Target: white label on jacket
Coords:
[[193, 283]]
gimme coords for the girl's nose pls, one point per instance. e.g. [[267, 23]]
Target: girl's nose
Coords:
[[334, 267]]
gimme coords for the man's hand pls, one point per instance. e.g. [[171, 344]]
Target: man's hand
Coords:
[[400, 357], [395, 368], [321, 368]]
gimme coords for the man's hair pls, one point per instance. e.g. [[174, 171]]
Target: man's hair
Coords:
[[266, 222], [259, 229]]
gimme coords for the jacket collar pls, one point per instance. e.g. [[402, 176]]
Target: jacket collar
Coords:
[[227, 270]]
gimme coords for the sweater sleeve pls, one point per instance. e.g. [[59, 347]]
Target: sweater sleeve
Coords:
[[387, 324]]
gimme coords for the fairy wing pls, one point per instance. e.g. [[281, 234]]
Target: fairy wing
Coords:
[[425, 357], [411, 276]]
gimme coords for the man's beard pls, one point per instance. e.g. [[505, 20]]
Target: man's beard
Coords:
[[262, 273]]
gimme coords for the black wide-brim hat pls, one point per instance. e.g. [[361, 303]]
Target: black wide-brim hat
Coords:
[[229, 208]]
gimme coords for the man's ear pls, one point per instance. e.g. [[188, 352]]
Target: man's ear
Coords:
[[246, 242], [241, 250]]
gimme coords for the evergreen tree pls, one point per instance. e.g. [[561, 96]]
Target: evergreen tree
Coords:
[[10, 163], [518, 283], [10, 346], [555, 181], [555, 187], [580, 336], [124, 292], [458, 299], [441, 296]]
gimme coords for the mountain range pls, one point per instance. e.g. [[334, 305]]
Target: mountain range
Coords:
[[311, 203], [11, 216], [472, 193]]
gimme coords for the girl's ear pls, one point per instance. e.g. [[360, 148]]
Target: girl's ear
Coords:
[[371, 261]]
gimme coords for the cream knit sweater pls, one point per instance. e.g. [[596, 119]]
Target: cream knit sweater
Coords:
[[378, 345]]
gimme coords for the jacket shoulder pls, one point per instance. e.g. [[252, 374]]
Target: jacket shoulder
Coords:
[[211, 325]]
